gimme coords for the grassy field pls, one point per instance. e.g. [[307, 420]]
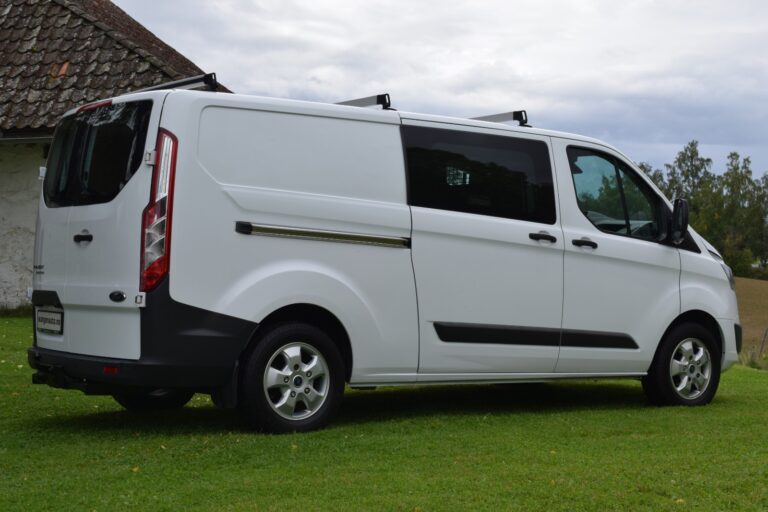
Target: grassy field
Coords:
[[753, 311], [566, 446]]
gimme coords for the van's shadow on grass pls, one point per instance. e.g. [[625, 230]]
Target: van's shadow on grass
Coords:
[[360, 407], [464, 400]]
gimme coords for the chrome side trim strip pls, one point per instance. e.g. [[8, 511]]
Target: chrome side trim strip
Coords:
[[249, 228]]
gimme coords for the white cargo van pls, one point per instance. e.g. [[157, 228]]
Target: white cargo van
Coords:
[[269, 251]]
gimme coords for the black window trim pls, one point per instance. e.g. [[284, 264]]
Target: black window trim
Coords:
[[419, 123], [689, 244], [620, 182], [615, 161]]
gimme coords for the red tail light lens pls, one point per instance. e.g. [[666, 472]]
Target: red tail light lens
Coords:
[[94, 105], [156, 220]]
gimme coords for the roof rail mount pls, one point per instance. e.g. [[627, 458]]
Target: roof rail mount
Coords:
[[521, 116], [206, 82], [370, 101]]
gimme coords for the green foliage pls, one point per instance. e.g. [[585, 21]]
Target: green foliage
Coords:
[[729, 209], [19, 311]]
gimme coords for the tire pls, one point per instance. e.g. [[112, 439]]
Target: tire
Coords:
[[292, 381], [155, 400], [686, 368]]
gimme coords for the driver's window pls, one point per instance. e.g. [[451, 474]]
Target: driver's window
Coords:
[[612, 196]]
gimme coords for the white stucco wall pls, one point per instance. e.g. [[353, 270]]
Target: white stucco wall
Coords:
[[19, 190]]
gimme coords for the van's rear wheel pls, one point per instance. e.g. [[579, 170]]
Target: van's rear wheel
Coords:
[[686, 369], [155, 400], [293, 380]]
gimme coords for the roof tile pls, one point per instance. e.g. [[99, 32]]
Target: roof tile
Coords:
[[106, 51]]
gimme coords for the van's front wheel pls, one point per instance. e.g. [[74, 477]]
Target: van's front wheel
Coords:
[[155, 400], [293, 380], [686, 369]]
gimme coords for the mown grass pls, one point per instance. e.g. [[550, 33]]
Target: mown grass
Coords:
[[566, 446]]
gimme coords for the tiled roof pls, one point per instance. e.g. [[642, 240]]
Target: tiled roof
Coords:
[[56, 54]]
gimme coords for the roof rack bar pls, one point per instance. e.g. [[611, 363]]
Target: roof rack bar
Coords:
[[369, 101], [206, 82], [521, 116]]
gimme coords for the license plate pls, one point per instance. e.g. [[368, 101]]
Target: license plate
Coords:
[[50, 321]]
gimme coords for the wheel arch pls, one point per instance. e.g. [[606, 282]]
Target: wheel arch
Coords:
[[698, 317], [314, 315]]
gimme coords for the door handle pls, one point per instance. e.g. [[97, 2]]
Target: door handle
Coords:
[[83, 238], [584, 242], [542, 236]]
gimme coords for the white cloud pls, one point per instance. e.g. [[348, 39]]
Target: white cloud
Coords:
[[644, 74]]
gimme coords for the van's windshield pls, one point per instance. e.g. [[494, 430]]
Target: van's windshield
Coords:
[[94, 154]]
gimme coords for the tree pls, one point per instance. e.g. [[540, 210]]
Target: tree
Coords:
[[729, 210], [656, 175], [688, 170], [761, 198]]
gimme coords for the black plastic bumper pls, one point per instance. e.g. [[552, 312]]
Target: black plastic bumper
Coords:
[[181, 347], [737, 332], [101, 375]]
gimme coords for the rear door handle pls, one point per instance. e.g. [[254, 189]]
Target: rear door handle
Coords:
[[584, 242], [542, 236], [83, 238]]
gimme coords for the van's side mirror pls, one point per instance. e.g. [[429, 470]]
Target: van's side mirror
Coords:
[[679, 227]]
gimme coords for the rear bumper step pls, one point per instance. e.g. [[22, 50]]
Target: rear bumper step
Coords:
[[97, 375]]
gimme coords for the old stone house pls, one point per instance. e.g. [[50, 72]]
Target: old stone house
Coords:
[[54, 55]]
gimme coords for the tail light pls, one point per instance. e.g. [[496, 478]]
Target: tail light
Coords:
[[156, 219]]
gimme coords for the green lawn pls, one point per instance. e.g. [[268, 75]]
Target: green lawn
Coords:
[[566, 446]]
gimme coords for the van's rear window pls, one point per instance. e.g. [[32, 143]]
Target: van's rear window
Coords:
[[94, 154]]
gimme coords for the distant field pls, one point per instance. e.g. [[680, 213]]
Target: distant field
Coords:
[[753, 310]]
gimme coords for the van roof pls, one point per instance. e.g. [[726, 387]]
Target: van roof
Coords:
[[369, 114], [461, 121]]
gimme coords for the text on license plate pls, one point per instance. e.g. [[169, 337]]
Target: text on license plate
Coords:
[[50, 321]]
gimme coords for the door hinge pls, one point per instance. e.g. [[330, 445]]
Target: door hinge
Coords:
[[140, 299], [149, 157]]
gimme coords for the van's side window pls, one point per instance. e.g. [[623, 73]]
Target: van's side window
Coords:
[[612, 196], [478, 173]]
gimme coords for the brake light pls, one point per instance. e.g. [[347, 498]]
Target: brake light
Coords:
[[156, 219], [94, 105]]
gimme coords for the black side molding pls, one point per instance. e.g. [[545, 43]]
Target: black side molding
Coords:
[[46, 298], [594, 339], [532, 336], [496, 334]]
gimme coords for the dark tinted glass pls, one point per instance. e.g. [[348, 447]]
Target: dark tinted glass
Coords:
[[94, 153], [479, 173], [613, 197]]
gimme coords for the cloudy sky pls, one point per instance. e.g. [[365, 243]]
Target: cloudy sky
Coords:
[[644, 75]]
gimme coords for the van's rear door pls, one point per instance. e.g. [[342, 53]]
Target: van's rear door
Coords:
[[88, 244]]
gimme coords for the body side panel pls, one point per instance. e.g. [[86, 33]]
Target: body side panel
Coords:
[[239, 162]]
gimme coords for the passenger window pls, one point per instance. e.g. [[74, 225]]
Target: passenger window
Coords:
[[481, 174], [613, 197]]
